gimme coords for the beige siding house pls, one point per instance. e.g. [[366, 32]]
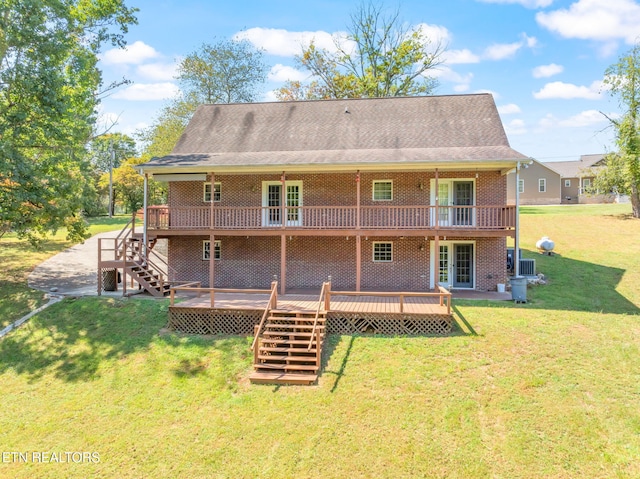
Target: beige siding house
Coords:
[[577, 178], [539, 184]]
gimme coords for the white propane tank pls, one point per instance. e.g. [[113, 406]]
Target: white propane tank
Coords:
[[545, 245]]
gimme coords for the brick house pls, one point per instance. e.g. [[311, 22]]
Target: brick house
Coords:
[[389, 194]]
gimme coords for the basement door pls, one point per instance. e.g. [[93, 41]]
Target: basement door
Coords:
[[272, 199], [456, 265]]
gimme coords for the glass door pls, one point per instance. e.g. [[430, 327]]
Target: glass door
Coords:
[[463, 200], [463, 266], [272, 207]]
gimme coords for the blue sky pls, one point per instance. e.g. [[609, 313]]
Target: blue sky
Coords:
[[543, 60]]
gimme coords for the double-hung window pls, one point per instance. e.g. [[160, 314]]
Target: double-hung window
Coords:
[[207, 192], [206, 249], [382, 190], [382, 252], [542, 185]]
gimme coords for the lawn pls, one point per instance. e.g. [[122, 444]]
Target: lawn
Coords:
[[18, 258], [546, 389]]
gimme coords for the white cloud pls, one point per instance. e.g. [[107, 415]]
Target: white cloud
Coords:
[[158, 71], [524, 3], [284, 43], [445, 73], [501, 51], [282, 73], [147, 92], [569, 91], [602, 20], [515, 127], [509, 109], [435, 33], [546, 71], [453, 57], [134, 54], [461, 88], [585, 118]]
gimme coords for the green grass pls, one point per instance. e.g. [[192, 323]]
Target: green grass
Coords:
[[18, 258], [546, 389]]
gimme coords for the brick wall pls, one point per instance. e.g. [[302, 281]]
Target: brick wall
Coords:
[[251, 262], [338, 189]]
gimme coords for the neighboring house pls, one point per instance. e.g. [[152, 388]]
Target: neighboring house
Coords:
[[391, 194], [576, 180], [539, 184]]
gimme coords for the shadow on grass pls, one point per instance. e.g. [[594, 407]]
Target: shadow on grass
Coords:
[[75, 339], [571, 285]]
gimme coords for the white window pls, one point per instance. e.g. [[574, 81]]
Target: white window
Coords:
[[382, 190], [520, 186], [216, 193], [567, 183], [382, 252], [206, 249], [542, 185]]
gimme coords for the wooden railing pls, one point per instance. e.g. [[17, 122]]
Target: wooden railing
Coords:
[[443, 295], [321, 303], [212, 292], [332, 217], [271, 304]]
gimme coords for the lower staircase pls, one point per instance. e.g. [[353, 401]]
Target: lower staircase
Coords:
[[150, 280], [289, 349]]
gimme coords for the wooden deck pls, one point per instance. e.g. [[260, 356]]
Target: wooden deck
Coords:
[[237, 312], [309, 302]]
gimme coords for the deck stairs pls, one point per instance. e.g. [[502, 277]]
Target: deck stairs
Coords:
[[141, 269], [289, 349]]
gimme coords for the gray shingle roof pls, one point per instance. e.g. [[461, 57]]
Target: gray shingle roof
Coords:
[[576, 169], [340, 132]]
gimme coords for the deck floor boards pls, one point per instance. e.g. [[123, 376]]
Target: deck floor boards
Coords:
[[308, 302]]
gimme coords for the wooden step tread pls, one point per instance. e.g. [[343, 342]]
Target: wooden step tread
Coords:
[[288, 350], [309, 327], [284, 357], [304, 342], [288, 312], [263, 377], [287, 367], [290, 334], [293, 319]]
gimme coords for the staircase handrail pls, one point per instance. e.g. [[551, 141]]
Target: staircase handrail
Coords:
[[272, 299], [315, 321], [120, 240], [171, 272]]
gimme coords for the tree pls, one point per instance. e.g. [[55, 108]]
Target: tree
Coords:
[[378, 58], [105, 152], [622, 171], [229, 71], [48, 84], [128, 184]]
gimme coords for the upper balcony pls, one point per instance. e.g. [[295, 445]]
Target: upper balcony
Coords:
[[339, 218]]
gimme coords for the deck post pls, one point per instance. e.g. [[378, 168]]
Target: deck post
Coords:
[[436, 262], [358, 200], [358, 261], [212, 206], [274, 288], [327, 296], [283, 263], [212, 297], [283, 200], [212, 260], [99, 266]]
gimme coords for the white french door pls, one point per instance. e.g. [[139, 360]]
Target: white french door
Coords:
[[272, 202], [455, 199], [456, 264]]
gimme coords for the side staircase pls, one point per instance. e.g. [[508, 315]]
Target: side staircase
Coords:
[[289, 349], [127, 253]]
